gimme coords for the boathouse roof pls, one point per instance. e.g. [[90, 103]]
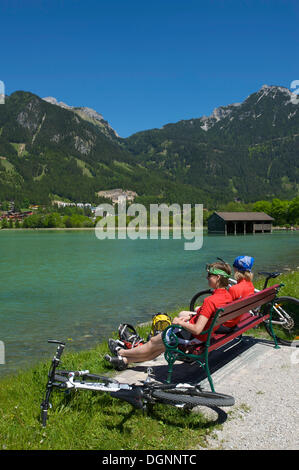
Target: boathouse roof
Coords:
[[244, 216]]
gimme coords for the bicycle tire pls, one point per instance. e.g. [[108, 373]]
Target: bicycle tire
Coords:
[[44, 417], [287, 336], [203, 398], [195, 297]]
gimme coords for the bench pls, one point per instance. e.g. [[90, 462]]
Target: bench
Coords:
[[245, 307]]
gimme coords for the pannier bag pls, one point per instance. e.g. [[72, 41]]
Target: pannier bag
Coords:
[[128, 336], [160, 321]]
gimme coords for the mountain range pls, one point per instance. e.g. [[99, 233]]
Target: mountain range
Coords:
[[243, 151]]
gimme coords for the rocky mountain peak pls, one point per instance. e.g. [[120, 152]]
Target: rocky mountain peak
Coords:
[[85, 113], [52, 100]]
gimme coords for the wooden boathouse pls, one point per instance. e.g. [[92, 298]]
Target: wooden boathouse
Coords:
[[239, 222]]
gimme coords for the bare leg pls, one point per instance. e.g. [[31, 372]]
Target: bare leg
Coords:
[[145, 352]]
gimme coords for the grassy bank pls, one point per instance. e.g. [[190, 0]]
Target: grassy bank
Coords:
[[89, 420]]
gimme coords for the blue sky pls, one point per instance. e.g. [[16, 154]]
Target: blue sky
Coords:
[[144, 64]]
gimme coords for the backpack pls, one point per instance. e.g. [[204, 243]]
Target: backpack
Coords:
[[160, 321], [128, 336]]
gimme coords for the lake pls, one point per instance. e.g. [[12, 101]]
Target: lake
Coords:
[[69, 284]]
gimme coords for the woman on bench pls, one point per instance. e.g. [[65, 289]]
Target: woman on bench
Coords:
[[194, 324], [244, 287]]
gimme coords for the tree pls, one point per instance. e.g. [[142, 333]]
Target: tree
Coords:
[[293, 215], [25, 202], [52, 220], [4, 223], [279, 211], [262, 206]]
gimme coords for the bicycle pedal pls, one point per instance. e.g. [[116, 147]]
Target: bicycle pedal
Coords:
[[150, 372]]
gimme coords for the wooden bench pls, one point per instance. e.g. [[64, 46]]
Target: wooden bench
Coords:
[[244, 307]]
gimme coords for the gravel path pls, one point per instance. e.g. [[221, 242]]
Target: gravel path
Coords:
[[265, 415], [264, 383]]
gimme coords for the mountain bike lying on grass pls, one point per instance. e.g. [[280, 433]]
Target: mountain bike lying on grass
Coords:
[[285, 315], [180, 395]]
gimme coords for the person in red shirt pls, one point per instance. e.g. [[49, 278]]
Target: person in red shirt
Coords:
[[244, 287], [193, 323]]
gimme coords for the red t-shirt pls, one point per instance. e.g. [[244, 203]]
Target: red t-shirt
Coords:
[[239, 291], [210, 304]]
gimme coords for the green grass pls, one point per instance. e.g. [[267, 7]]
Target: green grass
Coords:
[[85, 170], [290, 281], [90, 420], [20, 148], [9, 167]]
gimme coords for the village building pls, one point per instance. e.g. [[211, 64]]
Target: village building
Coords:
[[114, 194], [239, 222], [14, 216]]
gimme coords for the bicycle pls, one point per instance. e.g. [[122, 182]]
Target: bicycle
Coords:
[[140, 396], [285, 316]]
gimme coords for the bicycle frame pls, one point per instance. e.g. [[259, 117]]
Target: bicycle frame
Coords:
[[70, 383]]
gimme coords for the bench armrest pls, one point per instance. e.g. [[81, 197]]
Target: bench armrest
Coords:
[[169, 337]]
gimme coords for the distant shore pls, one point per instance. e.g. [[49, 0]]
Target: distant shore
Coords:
[[127, 228], [91, 228]]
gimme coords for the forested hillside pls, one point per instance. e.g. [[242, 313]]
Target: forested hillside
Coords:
[[244, 152]]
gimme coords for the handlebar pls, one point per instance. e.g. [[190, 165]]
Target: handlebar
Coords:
[[55, 341], [270, 275]]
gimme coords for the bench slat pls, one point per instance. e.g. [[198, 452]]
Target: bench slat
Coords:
[[251, 298], [220, 341], [238, 307], [231, 315]]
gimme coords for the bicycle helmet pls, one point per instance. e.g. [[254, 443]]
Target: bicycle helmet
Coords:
[[243, 263]]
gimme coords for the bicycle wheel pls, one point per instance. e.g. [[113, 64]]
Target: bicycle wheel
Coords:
[[192, 398], [196, 296], [285, 321]]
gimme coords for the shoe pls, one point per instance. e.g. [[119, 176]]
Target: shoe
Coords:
[[117, 362], [114, 346]]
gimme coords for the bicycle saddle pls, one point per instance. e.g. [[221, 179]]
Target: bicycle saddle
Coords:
[[273, 275]]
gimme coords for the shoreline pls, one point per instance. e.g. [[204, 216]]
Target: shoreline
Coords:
[[93, 228], [276, 229]]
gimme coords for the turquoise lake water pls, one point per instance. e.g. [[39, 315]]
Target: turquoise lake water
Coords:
[[69, 284]]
